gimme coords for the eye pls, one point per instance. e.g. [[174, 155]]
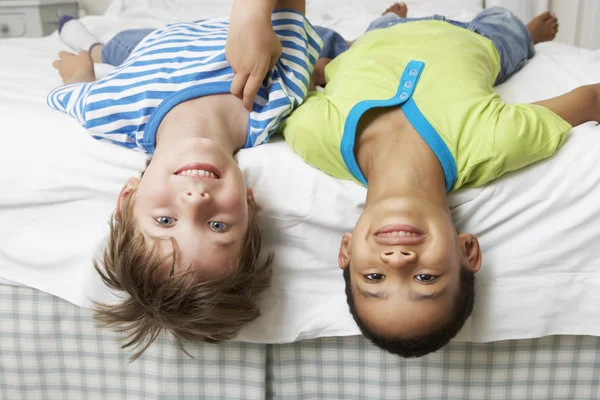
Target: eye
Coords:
[[425, 278], [166, 222], [374, 277], [218, 226]]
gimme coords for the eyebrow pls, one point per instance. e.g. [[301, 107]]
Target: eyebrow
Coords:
[[372, 295], [432, 296], [412, 296]]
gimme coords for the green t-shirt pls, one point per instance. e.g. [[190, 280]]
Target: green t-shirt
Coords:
[[442, 76]]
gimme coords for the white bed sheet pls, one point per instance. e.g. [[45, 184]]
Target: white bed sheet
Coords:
[[538, 228]]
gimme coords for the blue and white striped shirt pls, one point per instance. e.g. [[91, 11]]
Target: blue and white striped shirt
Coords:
[[184, 61]]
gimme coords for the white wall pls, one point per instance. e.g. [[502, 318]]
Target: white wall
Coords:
[[578, 21], [93, 7]]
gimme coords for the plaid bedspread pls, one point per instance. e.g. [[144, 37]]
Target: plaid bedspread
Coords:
[[50, 349]]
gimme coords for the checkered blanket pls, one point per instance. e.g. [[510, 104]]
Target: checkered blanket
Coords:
[[51, 349]]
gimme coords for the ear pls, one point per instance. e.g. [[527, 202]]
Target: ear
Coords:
[[470, 251], [250, 195], [252, 206], [344, 253], [128, 188]]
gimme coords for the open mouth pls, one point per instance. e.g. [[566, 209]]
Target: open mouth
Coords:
[[199, 171]]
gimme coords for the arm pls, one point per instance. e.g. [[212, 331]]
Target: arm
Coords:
[[252, 48], [318, 76], [578, 106], [297, 5]]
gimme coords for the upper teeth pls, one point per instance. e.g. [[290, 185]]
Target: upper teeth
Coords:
[[399, 234], [199, 172]]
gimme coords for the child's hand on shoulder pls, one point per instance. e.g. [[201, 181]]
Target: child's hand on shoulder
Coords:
[[252, 49]]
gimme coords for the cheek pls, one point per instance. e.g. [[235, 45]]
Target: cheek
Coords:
[[235, 204], [361, 254], [234, 198], [154, 191]]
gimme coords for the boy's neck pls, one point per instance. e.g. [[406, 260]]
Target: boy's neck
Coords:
[[221, 118], [395, 159]]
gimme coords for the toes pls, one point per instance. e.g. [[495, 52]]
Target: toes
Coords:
[[403, 8], [64, 54]]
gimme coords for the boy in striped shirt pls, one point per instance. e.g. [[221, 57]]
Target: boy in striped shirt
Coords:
[[184, 242]]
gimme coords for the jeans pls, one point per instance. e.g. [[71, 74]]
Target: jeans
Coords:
[[507, 32], [117, 49]]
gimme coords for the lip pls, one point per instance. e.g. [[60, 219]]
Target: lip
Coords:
[[202, 166], [417, 237]]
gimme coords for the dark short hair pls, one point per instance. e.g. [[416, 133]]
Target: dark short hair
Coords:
[[418, 346]]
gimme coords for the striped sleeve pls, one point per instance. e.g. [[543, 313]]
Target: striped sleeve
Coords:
[[70, 100], [301, 45], [287, 85]]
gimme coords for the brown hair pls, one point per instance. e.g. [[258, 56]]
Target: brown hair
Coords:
[[191, 310], [418, 346]]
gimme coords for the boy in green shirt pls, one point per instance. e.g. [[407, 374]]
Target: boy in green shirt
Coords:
[[411, 110]]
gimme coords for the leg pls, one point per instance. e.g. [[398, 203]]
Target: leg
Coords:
[[513, 40], [391, 16], [333, 43], [543, 28], [117, 49], [74, 34], [578, 106], [96, 53]]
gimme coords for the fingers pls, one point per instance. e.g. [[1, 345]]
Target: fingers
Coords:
[[275, 54], [245, 85], [238, 84], [56, 64], [251, 88]]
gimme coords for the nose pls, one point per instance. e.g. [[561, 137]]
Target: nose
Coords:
[[398, 258], [194, 197]]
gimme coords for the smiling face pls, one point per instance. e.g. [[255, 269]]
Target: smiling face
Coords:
[[405, 259], [195, 194]]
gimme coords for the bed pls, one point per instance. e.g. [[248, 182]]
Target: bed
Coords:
[[533, 333]]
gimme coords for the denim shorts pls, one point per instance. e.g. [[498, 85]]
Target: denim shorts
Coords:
[[507, 32], [117, 49]]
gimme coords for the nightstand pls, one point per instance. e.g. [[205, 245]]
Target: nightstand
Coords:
[[33, 18]]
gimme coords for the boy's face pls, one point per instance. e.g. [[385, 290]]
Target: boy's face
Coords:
[[194, 193], [405, 259]]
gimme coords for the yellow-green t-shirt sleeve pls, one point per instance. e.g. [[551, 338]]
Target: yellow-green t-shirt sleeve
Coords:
[[314, 131], [524, 134]]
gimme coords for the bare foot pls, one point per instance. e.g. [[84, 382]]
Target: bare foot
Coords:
[[74, 68], [400, 9], [543, 28]]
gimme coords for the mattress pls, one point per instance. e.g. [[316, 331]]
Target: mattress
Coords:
[[51, 349], [538, 227]]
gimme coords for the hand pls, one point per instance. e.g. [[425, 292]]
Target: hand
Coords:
[[318, 76], [252, 49], [74, 68]]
